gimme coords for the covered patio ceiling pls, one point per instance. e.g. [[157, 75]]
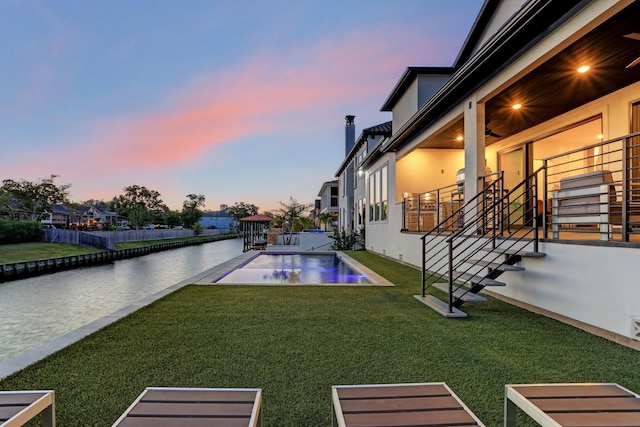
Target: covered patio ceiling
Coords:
[[556, 86]]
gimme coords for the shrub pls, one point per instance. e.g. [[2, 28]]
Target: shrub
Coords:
[[197, 229], [19, 231], [347, 241]]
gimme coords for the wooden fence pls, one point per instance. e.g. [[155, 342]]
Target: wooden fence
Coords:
[[108, 239]]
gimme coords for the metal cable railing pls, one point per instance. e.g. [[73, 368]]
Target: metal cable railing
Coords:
[[490, 231]]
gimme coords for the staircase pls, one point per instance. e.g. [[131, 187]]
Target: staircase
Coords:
[[477, 243]]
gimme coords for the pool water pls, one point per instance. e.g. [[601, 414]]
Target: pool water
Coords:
[[295, 269]]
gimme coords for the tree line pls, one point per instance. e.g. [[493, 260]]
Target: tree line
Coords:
[[140, 205]]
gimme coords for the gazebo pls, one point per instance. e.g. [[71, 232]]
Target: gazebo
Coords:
[[253, 231]]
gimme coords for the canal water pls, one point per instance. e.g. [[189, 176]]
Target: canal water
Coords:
[[36, 310]]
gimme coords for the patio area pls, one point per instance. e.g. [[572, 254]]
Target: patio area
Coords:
[[295, 343]]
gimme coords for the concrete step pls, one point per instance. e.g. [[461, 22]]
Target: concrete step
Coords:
[[461, 277], [495, 265], [458, 293], [440, 306], [522, 253]]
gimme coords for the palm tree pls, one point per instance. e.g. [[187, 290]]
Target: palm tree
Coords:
[[325, 218], [289, 216]]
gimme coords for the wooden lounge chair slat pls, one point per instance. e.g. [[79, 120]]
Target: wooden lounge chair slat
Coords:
[[193, 409], [577, 390], [179, 422], [199, 396], [400, 404], [7, 412], [588, 404], [17, 399], [18, 407], [413, 419], [573, 405], [598, 419], [392, 391]]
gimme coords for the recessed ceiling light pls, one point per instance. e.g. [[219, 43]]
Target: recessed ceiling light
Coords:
[[516, 106], [583, 69], [459, 138]]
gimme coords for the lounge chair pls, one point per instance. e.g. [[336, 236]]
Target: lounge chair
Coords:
[[580, 404], [18, 407], [194, 407], [397, 405]]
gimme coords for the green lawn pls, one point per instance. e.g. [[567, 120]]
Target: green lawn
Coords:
[[296, 342], [139, 243], [38, 250]]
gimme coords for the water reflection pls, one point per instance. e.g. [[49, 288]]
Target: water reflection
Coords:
[[295, 269], [39, 309]]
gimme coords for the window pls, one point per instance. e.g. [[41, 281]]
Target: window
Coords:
[[378, 184], [355, 177], [383, 193], [372, 192], [361, 212], [333, 202]]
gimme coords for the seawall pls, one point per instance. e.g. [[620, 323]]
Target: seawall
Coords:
[[24, 269]]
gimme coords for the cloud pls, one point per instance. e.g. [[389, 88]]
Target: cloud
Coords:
[[270, 92], [280, 92]]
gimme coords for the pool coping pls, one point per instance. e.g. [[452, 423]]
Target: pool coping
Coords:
[[31, 356]]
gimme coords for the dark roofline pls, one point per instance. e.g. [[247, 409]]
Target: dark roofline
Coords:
[[383, 129], [528, 26], [477, 30], [407, 78], [327, 184]]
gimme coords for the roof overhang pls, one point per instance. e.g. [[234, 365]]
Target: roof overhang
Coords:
[[407, 78], [555, 87], [532, 23]]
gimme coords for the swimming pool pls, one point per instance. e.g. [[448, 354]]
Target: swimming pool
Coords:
[[296, 268]]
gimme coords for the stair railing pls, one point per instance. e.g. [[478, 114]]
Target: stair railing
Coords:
[[503, 224]]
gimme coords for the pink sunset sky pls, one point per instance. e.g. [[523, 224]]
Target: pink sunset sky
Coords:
[[240, 101]]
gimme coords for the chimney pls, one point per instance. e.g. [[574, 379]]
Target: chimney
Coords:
[[349, 134]]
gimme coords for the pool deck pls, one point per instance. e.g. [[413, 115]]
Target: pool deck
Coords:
[[207, 277]]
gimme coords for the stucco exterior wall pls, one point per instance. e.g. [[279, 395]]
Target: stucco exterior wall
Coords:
[[505, 11], [428, 85], [595, 285], [406, 106]]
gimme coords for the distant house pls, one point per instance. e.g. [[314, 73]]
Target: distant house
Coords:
[[94, 216], [328, 195], [13, 210], [351, 185], [59, 217], [221, 220], [314, 213]]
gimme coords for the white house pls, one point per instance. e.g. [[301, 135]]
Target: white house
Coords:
[[546, 94], [328, 199], [218, 219], [351, 184]]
